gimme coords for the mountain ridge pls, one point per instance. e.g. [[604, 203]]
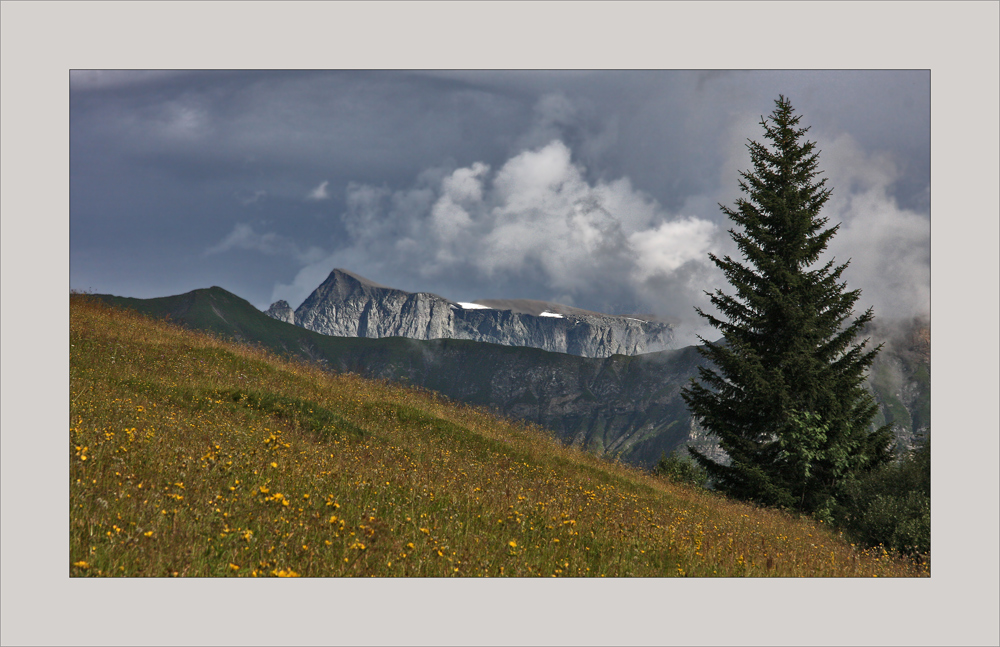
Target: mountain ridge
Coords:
[[348, 305]]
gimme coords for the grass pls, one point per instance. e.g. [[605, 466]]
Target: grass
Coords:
[[610, 399], [192, 456]]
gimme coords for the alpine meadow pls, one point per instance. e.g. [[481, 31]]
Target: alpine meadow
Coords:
[[379, 432], [195, 456]]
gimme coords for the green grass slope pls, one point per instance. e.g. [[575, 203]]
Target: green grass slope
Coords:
[[628, 407], [221, 312], [193, 456]]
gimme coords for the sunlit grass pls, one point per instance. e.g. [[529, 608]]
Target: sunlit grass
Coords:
[[194, 457]]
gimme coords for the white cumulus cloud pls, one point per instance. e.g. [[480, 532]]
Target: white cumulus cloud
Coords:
[[320, 192], [888, 246], [536, 220], [671, 245]]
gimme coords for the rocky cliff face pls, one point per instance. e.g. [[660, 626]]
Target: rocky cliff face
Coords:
[[281, 311], [348, 305]]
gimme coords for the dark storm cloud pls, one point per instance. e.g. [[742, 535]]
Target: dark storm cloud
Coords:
[[596, 188]]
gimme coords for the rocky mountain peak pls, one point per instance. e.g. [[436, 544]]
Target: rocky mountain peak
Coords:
[[340, 284], [281, 311], [342, 277], [349, 305]]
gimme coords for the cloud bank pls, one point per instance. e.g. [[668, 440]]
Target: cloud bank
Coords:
[[537, 228], [549, 221], [596, 188], [888, 246], [535, 221]]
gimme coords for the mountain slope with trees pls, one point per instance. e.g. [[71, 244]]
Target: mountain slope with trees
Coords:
[[194, 456], [624, 406]]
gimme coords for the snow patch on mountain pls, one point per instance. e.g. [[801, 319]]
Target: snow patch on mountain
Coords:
[[348, 305]]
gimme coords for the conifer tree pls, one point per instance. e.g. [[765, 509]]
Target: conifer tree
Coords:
[[784, 393]]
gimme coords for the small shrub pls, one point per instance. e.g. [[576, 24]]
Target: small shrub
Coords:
[[891, 506], [681, 469]]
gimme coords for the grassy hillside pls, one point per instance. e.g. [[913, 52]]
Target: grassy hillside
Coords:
[[195, 457], [624, 406], [628, 407]]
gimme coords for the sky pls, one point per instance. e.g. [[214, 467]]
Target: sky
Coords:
[[596, 189]]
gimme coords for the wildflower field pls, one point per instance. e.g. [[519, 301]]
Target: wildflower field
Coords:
[[194, 456]]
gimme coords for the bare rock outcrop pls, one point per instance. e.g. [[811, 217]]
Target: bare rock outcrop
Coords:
[[348, 305], [281, 311]]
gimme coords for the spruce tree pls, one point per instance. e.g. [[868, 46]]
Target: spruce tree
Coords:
[[784, 392]]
